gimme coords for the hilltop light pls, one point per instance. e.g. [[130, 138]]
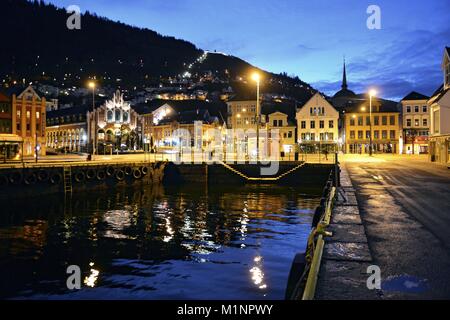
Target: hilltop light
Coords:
[[372, 92], [91, 84]]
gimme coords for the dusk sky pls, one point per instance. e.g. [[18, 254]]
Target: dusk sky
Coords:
[[306, 38]]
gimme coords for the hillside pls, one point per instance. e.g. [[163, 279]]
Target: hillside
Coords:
[[37, 46]]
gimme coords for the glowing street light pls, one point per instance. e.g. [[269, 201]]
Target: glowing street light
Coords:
[[92, 85], [372, 93], [256, 77]]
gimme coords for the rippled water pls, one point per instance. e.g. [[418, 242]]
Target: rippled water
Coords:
[[156, 243]]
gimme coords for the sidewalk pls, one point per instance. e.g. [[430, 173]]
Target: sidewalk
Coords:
[[343, 273]]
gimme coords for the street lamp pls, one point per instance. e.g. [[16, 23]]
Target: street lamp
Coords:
[[92, 85], [372, 93], [256, 77]]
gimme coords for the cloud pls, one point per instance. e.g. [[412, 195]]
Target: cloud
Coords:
[[411, 62]]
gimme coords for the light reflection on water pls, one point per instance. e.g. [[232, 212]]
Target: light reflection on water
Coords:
[[173, 243]]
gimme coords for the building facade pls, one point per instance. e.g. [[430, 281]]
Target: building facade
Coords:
[[29, 121], [385, 130], [286, 133], [242, 114], [67, 130], [111, 127], [439, 105], [416, 123], [317, 125], [114, 126]]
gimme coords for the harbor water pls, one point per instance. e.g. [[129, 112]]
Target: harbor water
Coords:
[[188, 242]]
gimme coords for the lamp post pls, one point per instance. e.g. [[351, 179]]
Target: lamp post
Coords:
[[92, 86], [256, 78], [372, 93]]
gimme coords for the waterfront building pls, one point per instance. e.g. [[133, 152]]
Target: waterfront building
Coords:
[[416, 123], [114, 126], [439, 105], [354, 121], [67, 130], [10, 144], [29, 120], [164, 122], [278, 120], [385, 129], [317, 125], [280, 116], [111, 126]]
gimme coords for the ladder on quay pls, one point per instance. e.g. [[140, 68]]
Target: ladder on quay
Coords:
[[67, 174]]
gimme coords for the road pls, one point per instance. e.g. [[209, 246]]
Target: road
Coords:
[[405, 208]]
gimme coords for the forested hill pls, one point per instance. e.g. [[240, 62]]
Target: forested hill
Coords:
[[36, 45]]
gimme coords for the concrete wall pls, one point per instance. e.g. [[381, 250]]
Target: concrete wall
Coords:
[[21, 182]]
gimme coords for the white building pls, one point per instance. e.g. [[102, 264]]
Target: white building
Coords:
[[317, 124], [416, 123], [439, 105]]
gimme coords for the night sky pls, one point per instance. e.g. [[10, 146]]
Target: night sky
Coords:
[[307, 38]]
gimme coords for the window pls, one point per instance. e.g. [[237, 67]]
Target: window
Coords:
[[416, 109], [408, 122], [290, 134], [367, 121], [352, 122], [352, 134], [303, 124], [367, 134], [436, 121], [376, 120], [384, 120], [392, 120], [360, 134], [109, 116], [303, 136], [117, 115], [384, 134], [313, 136], [18, 114], [376, 134], [360, 121], [28, 114], [321, 124], [416, 122], [322, 136], [408, 109], [38, 115], [425, 122], [280, 123], [313, 124], [275, 123], [331, 124], [424, 109], [392, 134], [125, 117]]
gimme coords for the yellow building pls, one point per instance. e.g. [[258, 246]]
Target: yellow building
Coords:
[[279, 121], [386, 128], [28, 121], [242, 115], [317, 125]]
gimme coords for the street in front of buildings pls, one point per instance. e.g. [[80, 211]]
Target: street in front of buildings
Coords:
[[404, 204]]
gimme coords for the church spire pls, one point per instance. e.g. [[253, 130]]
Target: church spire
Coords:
[[344, 78]]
